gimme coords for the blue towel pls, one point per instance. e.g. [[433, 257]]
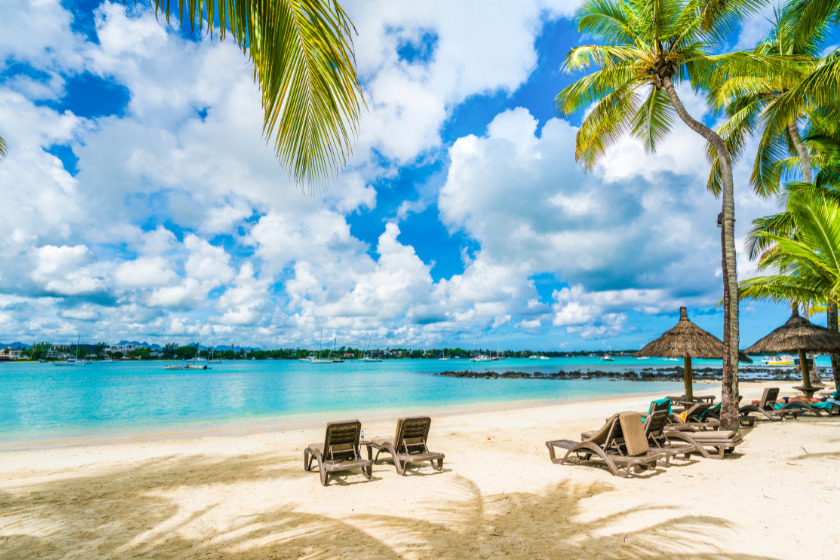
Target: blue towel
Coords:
[[825, 405], [659, 402]]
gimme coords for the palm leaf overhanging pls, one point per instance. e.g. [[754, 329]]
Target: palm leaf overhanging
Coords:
[[304, 64], [2, 148]]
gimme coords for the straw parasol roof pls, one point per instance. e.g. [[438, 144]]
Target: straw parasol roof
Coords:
[[798, 333], [686, 340]]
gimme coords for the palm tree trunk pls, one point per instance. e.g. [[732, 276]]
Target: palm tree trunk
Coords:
[[805, 164], [729, 389], [802, 150], [831, 311]]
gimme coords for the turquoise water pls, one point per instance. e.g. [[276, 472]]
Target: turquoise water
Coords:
[[42, 400]]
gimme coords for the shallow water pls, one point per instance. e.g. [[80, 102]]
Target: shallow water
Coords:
[[42, 400]]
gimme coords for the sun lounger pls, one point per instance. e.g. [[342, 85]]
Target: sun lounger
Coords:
[[701, 416], [718, 440], [620, 443], [409, 444], [663, 404], [766, 407], [667, 443], [802, 407], [339, 452]]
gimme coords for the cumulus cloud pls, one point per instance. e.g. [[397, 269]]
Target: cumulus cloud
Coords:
[[179, 221]]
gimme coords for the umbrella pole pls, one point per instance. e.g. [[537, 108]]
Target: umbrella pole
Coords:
[[689, 390], [803, 367]]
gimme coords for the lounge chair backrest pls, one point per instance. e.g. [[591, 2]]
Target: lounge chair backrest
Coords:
[[606, 433], [412, 434], [697, 411], [708, 410], [768, 398], [342, 440], [654, 426], [660, 404], [633, 432]]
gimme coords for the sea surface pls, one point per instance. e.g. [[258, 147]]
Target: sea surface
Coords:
[[41, 401]]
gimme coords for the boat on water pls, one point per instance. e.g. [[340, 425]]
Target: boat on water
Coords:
[[328, 360], [74, 361], [187, 366], [607, 358], [783, 360], [443, 355], [368, 356], [480, 358]]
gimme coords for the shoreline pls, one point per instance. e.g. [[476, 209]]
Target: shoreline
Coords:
[[234, 427], [247, 497]]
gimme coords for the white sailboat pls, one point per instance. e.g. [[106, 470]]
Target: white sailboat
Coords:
[[319, 359], [73, 361], [369, 357]]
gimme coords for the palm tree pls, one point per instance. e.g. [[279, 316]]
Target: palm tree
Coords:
[[820, 88], [807, 263], [304, 65], [745, 99], [823, 143], [649, 47]]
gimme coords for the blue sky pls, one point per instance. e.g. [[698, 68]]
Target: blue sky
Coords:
[[141, 201]]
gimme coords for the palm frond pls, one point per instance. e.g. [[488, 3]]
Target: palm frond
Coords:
[[654, 119], [608, 21], [2, 148], [779, 289], [304, 64], [809, 16], [591, 88], [608, 121]]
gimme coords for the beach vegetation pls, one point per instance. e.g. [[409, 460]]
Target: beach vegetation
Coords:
[[304, 65], [647, 49]]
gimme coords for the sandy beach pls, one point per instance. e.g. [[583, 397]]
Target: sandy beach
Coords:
[[247, 495]]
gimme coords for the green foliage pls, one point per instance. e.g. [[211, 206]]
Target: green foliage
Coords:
[[645, 45], [2, 148], [807, 262], [39, 350], [304, 64], [747, 97]]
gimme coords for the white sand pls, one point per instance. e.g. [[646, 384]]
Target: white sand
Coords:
[[499, 496]]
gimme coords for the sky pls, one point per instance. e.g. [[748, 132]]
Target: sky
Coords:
[[140, 201]]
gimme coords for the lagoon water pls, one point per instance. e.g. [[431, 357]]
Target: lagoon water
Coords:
[[41, 401]]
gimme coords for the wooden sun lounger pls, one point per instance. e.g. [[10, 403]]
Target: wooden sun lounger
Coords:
[[720, 441], [409, 445], [696, 418], [669, 444], [765, 408], [339, 452], [621, 443]]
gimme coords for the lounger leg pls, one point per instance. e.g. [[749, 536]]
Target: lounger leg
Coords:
[[325, 476], [437, 465], [551, 452], [368, 471], [307, 460]]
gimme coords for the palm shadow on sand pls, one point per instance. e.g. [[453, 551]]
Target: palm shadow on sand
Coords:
[[123, 513]]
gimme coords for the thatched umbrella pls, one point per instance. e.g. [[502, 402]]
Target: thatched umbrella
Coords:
[[686, 341], [799, 335]]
